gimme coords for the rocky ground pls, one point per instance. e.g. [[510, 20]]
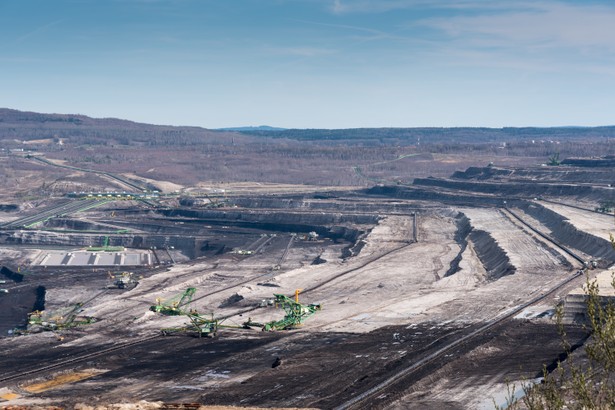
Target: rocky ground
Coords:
[[404, 276]]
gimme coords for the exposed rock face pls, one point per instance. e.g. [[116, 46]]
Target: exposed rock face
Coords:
[[186, 244], [77, 239], [427, 194], [481, 173], [184, 229], [565, 232], [331, 225], [17, 277], [461, 237], [520, 189], [285, 218], [494, 259], [322, 203], [561, 174], [608, 161], [39, 304], [561, 229]]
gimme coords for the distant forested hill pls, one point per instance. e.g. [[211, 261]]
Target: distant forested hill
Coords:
[[26, 126], [438, 135], [358, 157], [23, 125]]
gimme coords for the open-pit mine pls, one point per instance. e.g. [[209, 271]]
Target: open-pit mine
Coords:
[[432, 294]]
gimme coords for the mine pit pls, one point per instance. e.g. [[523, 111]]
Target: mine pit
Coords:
[[427, 294]]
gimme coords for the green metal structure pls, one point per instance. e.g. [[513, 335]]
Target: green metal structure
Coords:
[[65, 318], [554, 160], [106, 247], [296, 314], [201, 325], [208, 326], [175, 306]]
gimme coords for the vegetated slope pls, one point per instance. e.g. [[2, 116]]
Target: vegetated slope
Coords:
[[358, 157], [28, 126]]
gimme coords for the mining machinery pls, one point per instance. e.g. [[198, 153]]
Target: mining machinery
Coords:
[[175, 306], [296, 314], [124, 280], [65, 318], [201, 325]]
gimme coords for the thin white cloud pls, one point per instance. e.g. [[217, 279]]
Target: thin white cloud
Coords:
[[367, 33], [8, 42], [302, 51], [363, 6], [22, 60], [535, 25], [505, 61], [546, 36], [381, 6], [553, 25], [551, 21], [37, 31], [344, 26]]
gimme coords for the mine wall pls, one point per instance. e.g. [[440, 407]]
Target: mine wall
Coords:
[[330, 225], [424, 194], [303, 218], [15, 305], [11, 274], [493, 258], [565, 232], [156, 228], [594, 176], [533, 189], [189, 245], [314, 204], [543, 174], [78, 225], [39, 303], [461, 237], [481, 173], [608, 161], [14, 308], [186, 237]]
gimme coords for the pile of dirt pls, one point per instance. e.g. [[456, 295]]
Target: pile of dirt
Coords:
[[494, 259], [11, 274]]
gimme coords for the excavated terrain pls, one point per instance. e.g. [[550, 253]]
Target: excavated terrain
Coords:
[[432, 295]]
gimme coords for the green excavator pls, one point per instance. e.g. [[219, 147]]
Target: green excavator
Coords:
[[296, 314], [64, 318], [176, 305], [201, 325]]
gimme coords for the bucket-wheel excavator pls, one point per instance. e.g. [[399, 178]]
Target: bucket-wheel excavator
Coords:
[[176, 305], [209, 325], [296, 314], [201, 325], [65, 318]]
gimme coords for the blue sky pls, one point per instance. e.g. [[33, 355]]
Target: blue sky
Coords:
[[312, 63]]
